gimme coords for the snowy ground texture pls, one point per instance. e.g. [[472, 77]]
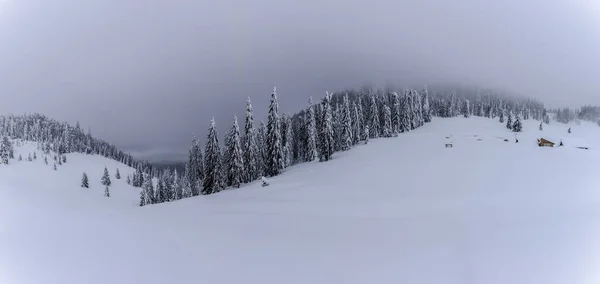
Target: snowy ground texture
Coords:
[[399, 210]]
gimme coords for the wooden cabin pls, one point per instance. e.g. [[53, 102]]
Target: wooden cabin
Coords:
[[545, 143]]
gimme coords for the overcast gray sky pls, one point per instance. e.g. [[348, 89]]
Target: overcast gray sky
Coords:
[[146, 74]]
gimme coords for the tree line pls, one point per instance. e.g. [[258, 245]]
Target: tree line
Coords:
[[337, 123]]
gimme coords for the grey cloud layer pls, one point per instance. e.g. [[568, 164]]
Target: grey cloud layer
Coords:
[[148, 74]]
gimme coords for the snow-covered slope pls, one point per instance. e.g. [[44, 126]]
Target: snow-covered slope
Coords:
[[399, 210]]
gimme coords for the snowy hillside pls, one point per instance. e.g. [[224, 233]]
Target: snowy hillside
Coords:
[[399, 210]]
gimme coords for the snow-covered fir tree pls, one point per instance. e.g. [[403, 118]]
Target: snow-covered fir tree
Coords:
[[106, 192], [326, 139], [367, 134], [569, 131], [287, 140], [177, 192], [84, 181], [509, 121], [250, 147], [541, 126], [374, 122], [147, 192], [195, 165], [466, 109], [186, 188], [5, 150], [501, 116], [106, 178], [356, 124], [517, 125], [234, 163], [117, 174], [311, 133], [128, 179], [425, 103], [387, 122], [274, 160], [212, 161], [405, 112], [346, 139]]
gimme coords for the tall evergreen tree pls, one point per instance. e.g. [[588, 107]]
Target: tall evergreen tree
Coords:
[[356, 124], [311, 132], [287, 140], [517, 125], [466, 109], [509, 121], [147, 193], [274, 161], [84, 181], [541, 126], [106, 178], [346, 140], [395, 109], [235, 162], [176, 185], [405, 112], [195, 172], [186, 187], [501, 116], [387, 121], [117, 174], [250, 147], [5, 149], [326, 140], [212, 165], [426, 107], [374, 118]]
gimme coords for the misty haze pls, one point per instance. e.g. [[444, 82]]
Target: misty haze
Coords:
[[299, 141]]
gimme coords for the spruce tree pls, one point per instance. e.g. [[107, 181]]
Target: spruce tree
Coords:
[[4, 150], [250, 148], [311, 132], [466, 112], [356, 124], [195, 165], [128, 179], [509, 122], [117, 174], [367, 135], [147, 192], [501, 116], [541, 126], [387, 122], [346, 140], [426, 107], [212, 165], [160, 194], [234, 163], [326, 139], [569, 131], [106, 178], [405, 112], [517, 125], [106, 192], [274, 161], [84, 181], [186, 189], [374, 123], [177, 186], [287, 140], [395, 109]]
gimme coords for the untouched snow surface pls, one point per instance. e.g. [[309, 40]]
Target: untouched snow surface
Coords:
[[400, 210]]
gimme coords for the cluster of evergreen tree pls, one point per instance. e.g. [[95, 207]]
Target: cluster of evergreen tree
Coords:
[[565, 115], [589, 113], [62, 138], [337, 123]]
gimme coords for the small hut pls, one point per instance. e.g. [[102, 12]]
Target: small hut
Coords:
[[545, 143]]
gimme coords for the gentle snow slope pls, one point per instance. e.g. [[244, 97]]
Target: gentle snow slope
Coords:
[[400, 210]]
